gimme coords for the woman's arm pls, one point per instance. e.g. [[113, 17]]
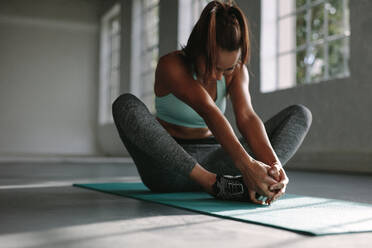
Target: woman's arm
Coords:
[[251, 126], [248, 122]]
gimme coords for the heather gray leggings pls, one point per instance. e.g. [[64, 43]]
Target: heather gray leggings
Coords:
[[164, 163]]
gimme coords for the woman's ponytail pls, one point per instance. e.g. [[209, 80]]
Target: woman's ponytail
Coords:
[[221, 25], [245, 35], [211, 44]]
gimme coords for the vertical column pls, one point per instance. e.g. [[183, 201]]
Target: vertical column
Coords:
[[168, 26], [125, 44]]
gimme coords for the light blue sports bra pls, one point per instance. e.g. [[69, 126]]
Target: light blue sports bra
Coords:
[[171, 109]]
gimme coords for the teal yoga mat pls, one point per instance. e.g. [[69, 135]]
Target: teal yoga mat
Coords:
[[303, 214]]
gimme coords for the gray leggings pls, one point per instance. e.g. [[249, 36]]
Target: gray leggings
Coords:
[[164, 162]]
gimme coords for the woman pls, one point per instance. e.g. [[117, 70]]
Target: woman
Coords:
[[190, 145]]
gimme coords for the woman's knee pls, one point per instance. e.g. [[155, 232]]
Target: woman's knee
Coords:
[[126, 103], [128, 110], [302, 112]]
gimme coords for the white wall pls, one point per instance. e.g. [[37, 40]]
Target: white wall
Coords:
[[49, 76]]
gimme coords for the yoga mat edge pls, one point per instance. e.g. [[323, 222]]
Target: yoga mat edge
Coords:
[[93, 186]]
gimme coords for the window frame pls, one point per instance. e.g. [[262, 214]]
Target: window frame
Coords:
[[140, 86], [108, 90], [307, 46]]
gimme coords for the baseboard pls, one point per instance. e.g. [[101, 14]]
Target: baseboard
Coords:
[[355, 162], [62, 159], [360, 162]]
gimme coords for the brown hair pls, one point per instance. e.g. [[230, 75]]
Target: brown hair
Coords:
[[221, 24]]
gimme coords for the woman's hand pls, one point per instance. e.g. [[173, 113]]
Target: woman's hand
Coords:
[[257, 179], [281, 186], [274, 171]]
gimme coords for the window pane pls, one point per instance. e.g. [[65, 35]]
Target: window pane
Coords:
[[115, 42], [346, 17], [152, 15], [335, 17], [149, 3], [113, 86], [152, 36], [317, 22], [287, 30], [149, 59], [150, 18], [154, 59], [301, 28], [316, 62], [338, 57], [149, 87], [287, 71], [301, 67], [286, 7], [299, 3], [149, 101], [115, 26], [150, 39], [146, 62], [115, 59]]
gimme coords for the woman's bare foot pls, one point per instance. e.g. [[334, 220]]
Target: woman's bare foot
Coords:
[[220, 186], [204, 178]]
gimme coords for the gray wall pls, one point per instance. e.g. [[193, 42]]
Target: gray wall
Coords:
[[49, 82], [49, 76], [340, 137]]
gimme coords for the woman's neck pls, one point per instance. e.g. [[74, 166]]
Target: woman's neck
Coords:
[[199, 69]]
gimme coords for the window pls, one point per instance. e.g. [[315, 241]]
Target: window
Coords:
[[189, 13], [197, 8], [149, 50], [109, 63], [303, 41]]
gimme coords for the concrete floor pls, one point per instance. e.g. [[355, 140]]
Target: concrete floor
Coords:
[[40, 208]]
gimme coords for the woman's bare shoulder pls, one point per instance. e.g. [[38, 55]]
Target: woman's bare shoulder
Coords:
[[172, 60], [171, 69]]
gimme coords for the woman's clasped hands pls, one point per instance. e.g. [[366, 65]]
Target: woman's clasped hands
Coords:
[[269, 181]]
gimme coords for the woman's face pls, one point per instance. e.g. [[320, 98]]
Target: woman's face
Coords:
[[226, 63]]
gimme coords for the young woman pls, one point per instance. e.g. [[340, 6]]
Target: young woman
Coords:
[[189, 144]]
